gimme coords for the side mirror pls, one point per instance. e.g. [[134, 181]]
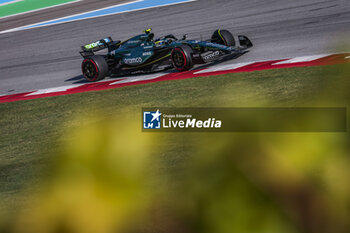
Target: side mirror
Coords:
[[244, 42]]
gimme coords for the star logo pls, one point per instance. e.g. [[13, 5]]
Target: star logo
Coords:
[[156, 115], [151, 120]]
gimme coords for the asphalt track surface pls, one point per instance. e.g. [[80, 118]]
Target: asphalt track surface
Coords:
[[48, 57]]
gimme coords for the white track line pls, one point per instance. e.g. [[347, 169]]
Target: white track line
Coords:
[[138, 78], [302, 59], [225, 67], [27, 12], [54, 89], [31, 26], [7, 3]]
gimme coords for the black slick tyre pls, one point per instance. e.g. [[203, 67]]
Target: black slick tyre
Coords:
[[181, 58], [223, 37], [94, 68]]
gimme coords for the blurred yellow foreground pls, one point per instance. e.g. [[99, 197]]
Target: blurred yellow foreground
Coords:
[[110, 177]]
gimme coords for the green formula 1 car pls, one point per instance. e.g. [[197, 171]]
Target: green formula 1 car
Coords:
[[143, 53]]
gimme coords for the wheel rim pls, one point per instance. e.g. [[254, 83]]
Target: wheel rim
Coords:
[[178, 59], [89, 70]]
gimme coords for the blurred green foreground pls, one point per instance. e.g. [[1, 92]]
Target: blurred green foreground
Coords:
[[110, 177]]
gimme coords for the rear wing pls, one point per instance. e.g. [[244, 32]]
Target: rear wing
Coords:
[[98, 45], [89, 49]]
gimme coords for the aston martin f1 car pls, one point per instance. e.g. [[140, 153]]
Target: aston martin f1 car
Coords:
[[143, 53]]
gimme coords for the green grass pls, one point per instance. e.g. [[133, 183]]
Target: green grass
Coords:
[[30, 130], [28, 5]]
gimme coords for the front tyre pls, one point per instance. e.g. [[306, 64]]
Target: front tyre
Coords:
[[181, 58], [223, 37], [94, 68]]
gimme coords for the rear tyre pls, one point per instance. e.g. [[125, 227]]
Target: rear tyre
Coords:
[[181, 58], [223, 37], [94, 68]]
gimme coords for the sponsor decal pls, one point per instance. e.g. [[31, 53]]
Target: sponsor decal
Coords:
[[133, 42], [92, 45], [147, 53], [135, 60], [211, 55], [96, 44]]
